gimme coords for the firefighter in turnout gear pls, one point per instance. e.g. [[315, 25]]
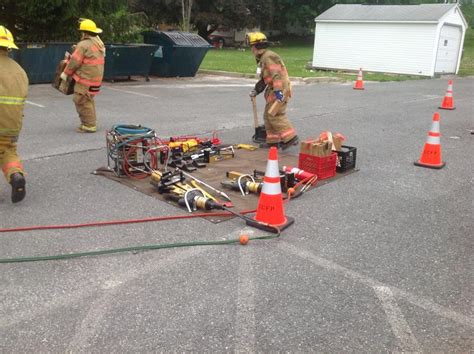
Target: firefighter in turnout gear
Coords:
[[13, 92], [86, 66], [276, 84]]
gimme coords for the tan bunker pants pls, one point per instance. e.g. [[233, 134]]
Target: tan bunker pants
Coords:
[[85, 105], [279, 128], [9, 159]]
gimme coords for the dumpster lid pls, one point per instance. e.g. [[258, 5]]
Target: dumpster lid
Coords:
[[181, 39]]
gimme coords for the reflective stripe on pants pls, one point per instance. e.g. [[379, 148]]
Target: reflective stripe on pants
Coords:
[[9, 160], [279, 128]]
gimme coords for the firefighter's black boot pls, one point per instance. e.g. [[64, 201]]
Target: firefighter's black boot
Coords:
[[18, 187], [292, 142]]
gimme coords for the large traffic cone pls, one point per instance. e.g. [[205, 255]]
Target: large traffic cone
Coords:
[[270, 209], [431, 155], [359, 84], [448, 102]]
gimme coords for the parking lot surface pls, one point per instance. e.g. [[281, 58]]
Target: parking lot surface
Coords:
[[379, 260]]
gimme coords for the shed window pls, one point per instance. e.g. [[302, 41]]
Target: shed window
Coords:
[[445, 42]]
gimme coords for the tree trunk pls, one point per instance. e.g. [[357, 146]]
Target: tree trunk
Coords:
[[186, 6]]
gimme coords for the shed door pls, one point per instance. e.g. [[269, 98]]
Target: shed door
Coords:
[[448, 49]]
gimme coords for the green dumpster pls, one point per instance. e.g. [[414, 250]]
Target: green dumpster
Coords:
[[178, 54], [125, 60], [40, 60]]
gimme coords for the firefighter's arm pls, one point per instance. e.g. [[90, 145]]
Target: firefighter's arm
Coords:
[[273, 77], [76, 60], [274, 74], [259, 87]]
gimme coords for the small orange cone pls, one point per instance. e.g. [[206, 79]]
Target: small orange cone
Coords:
[[270, 209], [359, 84], [448, 102], [431, 155]]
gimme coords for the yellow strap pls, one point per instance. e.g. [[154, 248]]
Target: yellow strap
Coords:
[[12, 100]]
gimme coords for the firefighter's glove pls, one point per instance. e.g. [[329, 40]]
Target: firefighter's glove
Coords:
[[63, 76], [253, 93], [279, 96]]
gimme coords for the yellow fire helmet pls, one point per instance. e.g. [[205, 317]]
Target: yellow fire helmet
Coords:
[[6, 39], [253, 38], [88, 26]]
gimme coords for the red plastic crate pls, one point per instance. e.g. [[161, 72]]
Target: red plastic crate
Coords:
[[323, 167]]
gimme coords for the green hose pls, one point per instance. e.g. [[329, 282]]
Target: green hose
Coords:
[[129, 249]]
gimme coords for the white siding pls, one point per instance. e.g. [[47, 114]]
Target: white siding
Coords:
[[385, 47], [453, 17]]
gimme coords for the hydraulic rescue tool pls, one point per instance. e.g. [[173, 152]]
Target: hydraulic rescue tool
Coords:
[[222, 194], [245, 184], [194, 199], [166, 181]]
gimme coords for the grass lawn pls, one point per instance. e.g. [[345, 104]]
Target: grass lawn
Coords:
[[467, 61], [297, 55]]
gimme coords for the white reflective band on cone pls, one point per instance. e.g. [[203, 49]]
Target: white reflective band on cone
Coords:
[[271, 188], [433, 140], [272, 169], [435, 126]]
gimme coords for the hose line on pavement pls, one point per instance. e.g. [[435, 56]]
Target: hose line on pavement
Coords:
[[134, 248]]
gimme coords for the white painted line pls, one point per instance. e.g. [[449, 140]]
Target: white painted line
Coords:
[[107, 298], [131, 92], [400, 327], [68, 299], [245, 327], [35, 104], [419, 301]]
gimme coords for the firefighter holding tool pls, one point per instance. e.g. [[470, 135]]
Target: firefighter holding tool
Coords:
[[276, 84], [13, 92], [86, 66]]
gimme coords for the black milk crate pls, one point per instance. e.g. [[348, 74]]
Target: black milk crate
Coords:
[[346, 159]]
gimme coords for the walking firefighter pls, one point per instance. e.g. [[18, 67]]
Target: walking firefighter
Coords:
[[86, 66], [274, 80], [13, 92]]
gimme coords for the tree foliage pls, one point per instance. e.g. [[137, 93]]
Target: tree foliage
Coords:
[[123, 20], [46, 20]]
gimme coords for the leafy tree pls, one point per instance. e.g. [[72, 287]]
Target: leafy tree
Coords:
[[46, 20]]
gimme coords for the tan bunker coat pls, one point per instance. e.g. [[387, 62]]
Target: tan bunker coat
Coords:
[[87, 68], [13, 92], [275, 76]]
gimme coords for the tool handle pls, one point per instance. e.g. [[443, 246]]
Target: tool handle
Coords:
[[255, 114], [274, 108]]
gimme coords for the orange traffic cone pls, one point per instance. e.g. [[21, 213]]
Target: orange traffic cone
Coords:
[[270, 204], [359, 84], [448, 102], [431, 155]]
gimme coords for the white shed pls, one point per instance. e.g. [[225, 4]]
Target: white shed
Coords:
[[405, 39]]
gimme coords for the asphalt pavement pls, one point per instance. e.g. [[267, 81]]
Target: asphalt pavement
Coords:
[[377, 261]]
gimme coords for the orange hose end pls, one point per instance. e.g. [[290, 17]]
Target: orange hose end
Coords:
[[244, 239]]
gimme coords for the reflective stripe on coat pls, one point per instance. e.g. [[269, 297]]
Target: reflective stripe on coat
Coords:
[[13, 92], [86, 65]]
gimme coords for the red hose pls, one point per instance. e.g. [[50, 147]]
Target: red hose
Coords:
[[120, 222]]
